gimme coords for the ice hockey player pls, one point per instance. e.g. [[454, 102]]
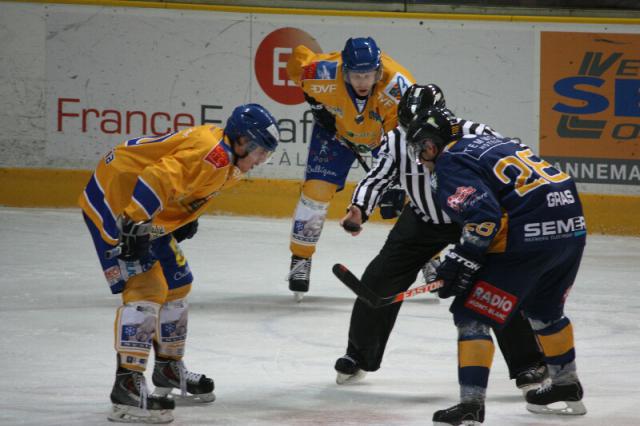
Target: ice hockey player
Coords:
[[353, 95], [422, 230], [144, 198], [522, 242]]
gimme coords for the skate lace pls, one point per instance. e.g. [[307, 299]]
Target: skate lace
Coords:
[[141, 384], [186, 376], [300, 270], [544, 388]]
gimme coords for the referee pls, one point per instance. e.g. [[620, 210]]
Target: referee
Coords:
[[421, 232]]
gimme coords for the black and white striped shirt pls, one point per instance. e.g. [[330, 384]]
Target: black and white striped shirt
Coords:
[[394, 165]]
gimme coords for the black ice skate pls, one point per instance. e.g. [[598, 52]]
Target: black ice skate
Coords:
[[133, 404], [465, 413], [557, 399], [169, 374], [348, 371], [298, 277], [531, 378]]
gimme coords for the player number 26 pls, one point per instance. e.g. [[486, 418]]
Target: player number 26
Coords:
[[530, 172]]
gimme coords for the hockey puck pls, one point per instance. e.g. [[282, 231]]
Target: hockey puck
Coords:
[[351, 226]]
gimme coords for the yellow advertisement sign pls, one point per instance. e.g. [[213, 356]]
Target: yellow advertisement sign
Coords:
[[590, 105]]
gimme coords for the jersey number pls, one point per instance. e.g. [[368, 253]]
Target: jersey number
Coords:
[[148, 139], [525, 168]]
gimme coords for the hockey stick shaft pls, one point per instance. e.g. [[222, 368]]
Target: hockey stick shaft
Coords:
[[351, 146], [372, 299]]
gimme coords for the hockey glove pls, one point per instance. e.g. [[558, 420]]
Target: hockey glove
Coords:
[[324, 118], [458, 271], [430, 270], [392, 202], [135, 239], [186, 232]]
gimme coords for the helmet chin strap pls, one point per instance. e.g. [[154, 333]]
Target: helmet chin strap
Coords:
[[236, 156]]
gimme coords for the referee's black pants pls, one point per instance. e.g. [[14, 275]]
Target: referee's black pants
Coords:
[[409, 246]]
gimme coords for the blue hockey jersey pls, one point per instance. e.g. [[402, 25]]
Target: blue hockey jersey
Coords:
[[505, 197]]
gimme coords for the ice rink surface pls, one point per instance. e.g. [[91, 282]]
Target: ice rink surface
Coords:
[[272, 359]]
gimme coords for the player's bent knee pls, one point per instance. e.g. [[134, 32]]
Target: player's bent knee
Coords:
[[318, 190], [178, 293]]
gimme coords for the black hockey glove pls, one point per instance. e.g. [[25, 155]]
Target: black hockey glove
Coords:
[[458, 271], [324, 118], [135, 239], [186, 232], [391, 202]]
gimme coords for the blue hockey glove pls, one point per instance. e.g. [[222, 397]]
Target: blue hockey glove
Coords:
[[458, 271], [186, 232], [135, 239], [391, 203]]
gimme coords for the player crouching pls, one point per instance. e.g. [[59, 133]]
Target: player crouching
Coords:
[[144, 199]]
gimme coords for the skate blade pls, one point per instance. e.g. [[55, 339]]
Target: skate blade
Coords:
[[464, 423], [203, 398], [128, 414], [348, 379], [563, 408], [298, 296]]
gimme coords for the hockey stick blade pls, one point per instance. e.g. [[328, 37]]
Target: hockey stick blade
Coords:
[[372, 299], [347, 278]]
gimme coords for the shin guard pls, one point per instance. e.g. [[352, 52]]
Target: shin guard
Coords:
[[172, 335], [135, 329]]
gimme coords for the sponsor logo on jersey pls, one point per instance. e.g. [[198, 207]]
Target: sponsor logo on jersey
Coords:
[[218, 156], [490, 301], [397, 86], [560, 198], [337, 111], [322, 88], [321, 70], [555, 229], [456, 201]]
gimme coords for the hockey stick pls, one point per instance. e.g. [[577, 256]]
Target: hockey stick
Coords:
[[352, 147], [372, 299]]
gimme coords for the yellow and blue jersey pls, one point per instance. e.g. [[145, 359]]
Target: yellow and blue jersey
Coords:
[[320, 76], [168, 179]]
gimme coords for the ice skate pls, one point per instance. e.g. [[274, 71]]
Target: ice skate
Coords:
[[298, 276], [348, 371], [564, 399], [465, 413], [169, 374], [133, 404], [531, 378]]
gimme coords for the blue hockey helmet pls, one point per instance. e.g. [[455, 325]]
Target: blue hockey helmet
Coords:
[[418, 99], [361, 54], [256, 123]]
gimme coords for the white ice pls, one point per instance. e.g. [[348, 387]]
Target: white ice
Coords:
[[272, 359]]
